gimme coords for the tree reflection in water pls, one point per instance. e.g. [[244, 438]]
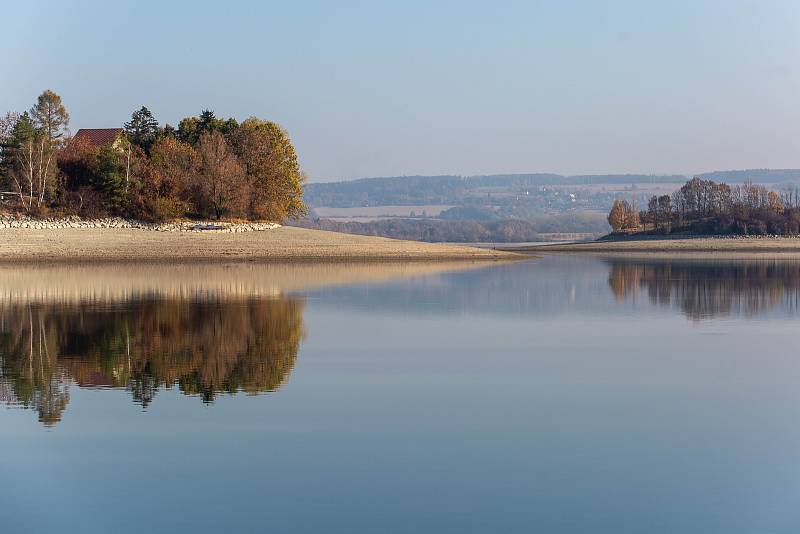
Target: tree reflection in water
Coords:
[[706, 289], [204, 346]]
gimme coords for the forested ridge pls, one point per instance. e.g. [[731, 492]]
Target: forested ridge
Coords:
[[453, 189]]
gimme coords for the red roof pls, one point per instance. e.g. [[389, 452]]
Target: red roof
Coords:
[[98, 136]]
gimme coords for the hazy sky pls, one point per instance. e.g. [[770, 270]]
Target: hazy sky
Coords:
[[390, 88]]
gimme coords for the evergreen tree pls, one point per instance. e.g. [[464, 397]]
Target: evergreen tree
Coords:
[[208, 122], [169, 131], [110, 178], [21, 130], [142, 129]]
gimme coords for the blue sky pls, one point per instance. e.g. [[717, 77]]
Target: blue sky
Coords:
[[390, 88]]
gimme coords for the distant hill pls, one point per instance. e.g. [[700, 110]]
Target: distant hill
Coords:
[[449, 189], [497, 189]]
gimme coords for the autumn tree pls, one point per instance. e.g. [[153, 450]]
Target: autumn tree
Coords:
[[775, 202], [616, 218], [220, 188], [631, 216], [163, 191], [78, 164], [50, 115], [276, 181]]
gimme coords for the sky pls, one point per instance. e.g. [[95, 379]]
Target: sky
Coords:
[[426, 87]]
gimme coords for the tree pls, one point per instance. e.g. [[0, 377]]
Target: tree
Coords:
[[110, 177], [272, 168], [33, 168], [775, 202], [142, 130], [169, 131], [187, 130], [221, 186], [78, 164], [665, 211], [208, 122], [652, 211], [623, 216], [616, 218], [50, 115], [631, 216], [163, 192], [7, 124]]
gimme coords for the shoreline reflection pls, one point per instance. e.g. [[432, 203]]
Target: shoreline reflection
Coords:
[[204, 346], [708, 289]]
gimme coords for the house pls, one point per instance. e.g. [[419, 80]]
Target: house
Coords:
[[100, 136]]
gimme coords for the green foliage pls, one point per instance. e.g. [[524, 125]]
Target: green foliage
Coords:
[[187, 130], [20, 131], [110, 178], [142, 129], [208, 122], [169, 131], [24, 130]]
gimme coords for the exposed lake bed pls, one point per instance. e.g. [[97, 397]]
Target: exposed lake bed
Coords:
[[91, 245]]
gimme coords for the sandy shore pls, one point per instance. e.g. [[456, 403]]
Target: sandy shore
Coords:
[[717, 247], [281, 244]]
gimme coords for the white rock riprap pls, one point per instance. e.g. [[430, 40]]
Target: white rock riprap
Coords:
[[10, 221]]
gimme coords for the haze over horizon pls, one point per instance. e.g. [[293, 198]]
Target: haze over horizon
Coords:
[[458, 88]]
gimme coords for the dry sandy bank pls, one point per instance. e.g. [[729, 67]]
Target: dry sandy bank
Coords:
[[717, 247], [282, 244]]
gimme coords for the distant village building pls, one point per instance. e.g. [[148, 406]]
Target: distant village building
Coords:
[[100, 136]]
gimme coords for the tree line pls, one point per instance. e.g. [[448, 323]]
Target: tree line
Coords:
[[207, 167], [708, 207]]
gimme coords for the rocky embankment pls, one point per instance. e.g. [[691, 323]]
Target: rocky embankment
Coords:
[[10, 221]]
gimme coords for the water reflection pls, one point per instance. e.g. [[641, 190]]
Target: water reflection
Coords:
[[205, 329], [706, 288], [204, 347]]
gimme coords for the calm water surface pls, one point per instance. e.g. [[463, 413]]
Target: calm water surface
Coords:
[[566, 394]]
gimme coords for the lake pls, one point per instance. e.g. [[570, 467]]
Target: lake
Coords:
[[563, 394]]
